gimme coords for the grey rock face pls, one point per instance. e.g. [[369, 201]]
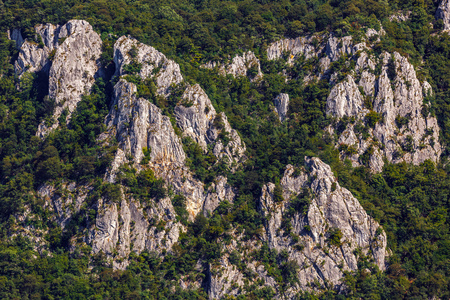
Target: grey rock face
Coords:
[[137, 123], [239, 66], [219, 191], [64, 201], [69, 54], [16, 35], [225, 279], [339, 46], [301, 46], [124, 227], [119, 228], [303, 233], [154, 64], [443, 12], [32, 57], [331, 207], [198, 119], [327, 48], [394, 98], [345, 99], [281, 103], [228, 283], [74, 68], [404, 132]]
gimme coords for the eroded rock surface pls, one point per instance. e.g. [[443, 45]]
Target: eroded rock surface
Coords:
[[378, 103], [139, 124], [153, 63], [281, 103], [315, 223], [390, 120], [65, 201], [295, 48], [198, 119], [34, 57], [443, 12], [246, 64], [131, 226], [69, 54]]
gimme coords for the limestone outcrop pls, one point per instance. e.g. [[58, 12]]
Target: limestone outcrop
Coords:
[[391, 120], [129, 226], [294, 48], [324, 219], [310, 222], [138, 126], [379, 104], [281, 103], [443, 12], [246, 64], [69, 54], [34, 57], [153, 64], [65, 201], [198, 119]]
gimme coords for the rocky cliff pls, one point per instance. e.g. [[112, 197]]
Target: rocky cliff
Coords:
[[246, 64], [153, 64], [139, 125], [311, 225], [443, 13], [69, 54], [281, 103], [315, 225], [379, 105], [198, 119]]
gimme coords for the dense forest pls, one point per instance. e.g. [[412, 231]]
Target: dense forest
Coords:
[[411, 202]]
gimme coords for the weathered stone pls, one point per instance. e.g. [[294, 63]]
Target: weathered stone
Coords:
[[395, 95], [331, 207], [219, 191], [301, 46], [443, 12], [139, 124], [69, 54], [198, 119], [154, 64], [16, 35], [281, 103], [303, 234], [65, 201], [239, 66], [345, 99]]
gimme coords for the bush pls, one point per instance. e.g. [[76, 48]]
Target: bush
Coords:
[[334, 237]]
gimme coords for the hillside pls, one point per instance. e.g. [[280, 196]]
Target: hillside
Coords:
[[224, 150]]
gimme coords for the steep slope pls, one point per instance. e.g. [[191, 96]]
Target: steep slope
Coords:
[[378, 103], [246, 64], [314, 225], [137, 124], [198, 119], [443, 13], [69, 54]]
